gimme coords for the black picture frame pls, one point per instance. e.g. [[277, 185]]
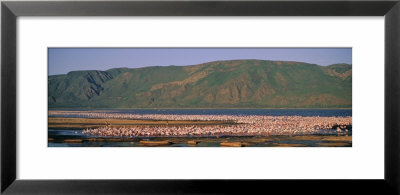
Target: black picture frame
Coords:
[[11, 10]]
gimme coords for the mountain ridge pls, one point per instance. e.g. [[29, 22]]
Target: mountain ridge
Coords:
[[243, 83]]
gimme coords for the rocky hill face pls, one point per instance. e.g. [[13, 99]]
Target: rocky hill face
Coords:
[[219, 84]]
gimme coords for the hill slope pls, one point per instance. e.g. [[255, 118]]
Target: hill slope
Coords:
[[223, 84]]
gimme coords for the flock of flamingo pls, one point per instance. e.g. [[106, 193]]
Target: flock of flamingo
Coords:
[[240, 125]]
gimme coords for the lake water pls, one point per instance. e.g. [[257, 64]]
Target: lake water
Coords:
[[271, 141], [243, 112]]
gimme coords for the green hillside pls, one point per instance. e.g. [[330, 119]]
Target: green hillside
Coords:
[[219, 84]]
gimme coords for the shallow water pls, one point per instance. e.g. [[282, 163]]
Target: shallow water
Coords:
[[58, 137]]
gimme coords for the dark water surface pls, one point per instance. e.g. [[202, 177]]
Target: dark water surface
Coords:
[[242, 112]]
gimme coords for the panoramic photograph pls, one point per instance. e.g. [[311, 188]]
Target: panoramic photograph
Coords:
[[199, 97]]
